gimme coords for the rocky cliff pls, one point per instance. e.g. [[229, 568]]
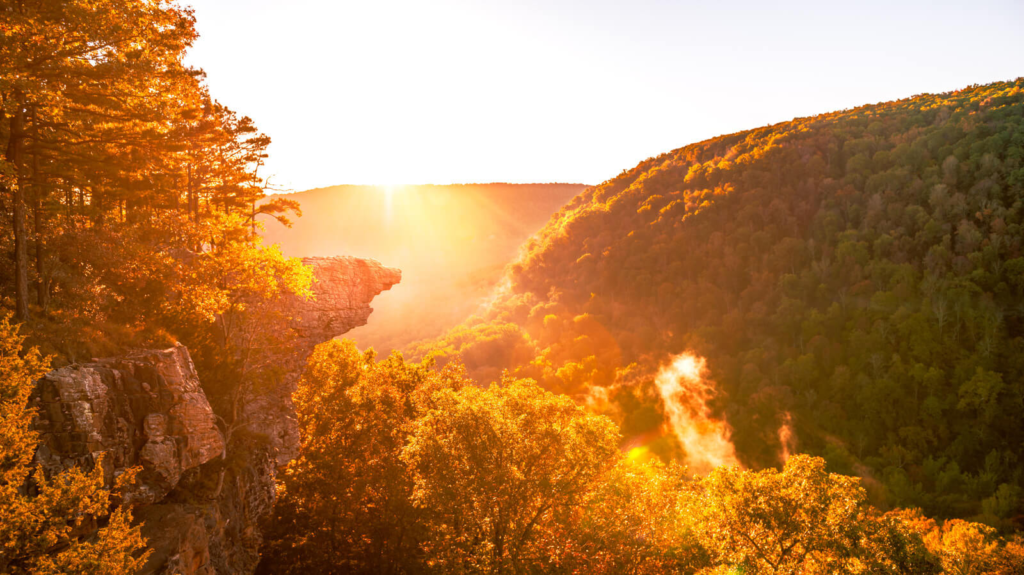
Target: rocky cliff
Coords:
[[201, 496], [145, 409], [343, 289]]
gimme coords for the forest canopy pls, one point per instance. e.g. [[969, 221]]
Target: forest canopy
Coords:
[[409, 469], [855, 277]]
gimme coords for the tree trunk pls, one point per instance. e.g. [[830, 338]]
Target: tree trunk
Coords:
[[193, 203], [42, 288], [14, 154]]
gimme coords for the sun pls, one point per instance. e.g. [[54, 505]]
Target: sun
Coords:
[[390, 191]]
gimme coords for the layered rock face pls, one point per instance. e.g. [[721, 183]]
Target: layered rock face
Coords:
[[201, 496], [146, 409]]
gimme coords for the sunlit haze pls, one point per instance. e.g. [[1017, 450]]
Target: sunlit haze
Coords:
[[685, 392], [530, 91]]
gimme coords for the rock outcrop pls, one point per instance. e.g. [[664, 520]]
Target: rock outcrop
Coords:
[[342, 291], [200, 495], [146, 409]]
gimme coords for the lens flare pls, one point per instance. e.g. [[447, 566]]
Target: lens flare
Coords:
[[685, 393]]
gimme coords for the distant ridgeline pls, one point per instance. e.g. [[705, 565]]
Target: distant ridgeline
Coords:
[[452, 243], [854, 279]]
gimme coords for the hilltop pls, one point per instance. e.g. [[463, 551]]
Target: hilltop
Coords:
[[853, 280]]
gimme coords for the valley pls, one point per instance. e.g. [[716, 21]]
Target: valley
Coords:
[[788, 342], [451, 242]]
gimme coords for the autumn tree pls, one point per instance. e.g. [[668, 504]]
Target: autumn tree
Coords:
[[117, 166], [407, 469], [800, 520], [346, 503], [635, 519], [1011, 557], [229, 303], [48, 521], [965, 548], [78, 80], [492, 468]]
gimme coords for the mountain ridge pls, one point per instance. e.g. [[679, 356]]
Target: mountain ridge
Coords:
[[826, 267], [452, 243]]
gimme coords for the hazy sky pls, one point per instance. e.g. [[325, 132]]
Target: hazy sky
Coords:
[[442, 91]]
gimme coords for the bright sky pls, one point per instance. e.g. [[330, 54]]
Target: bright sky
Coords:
[[448, 91]]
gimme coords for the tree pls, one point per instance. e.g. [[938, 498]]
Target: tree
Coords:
[[228, 302], [1011, 559], [634, 520], [76, 77], [46, 529], [893, 544], [492, 468], [345, 504], [965, 548], [801, 520]]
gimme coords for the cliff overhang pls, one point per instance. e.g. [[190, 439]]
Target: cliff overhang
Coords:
[[148, 409]]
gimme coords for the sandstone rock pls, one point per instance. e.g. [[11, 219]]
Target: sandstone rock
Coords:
[[210, 523], [146, 409], [179, 539], [200, 502], [343, 289]]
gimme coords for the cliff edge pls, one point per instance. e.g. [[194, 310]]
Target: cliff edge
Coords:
[[343, 288], [201, 496]]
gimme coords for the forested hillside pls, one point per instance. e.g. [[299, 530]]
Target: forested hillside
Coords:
[[452, 243], [409, 469], [854, 278]]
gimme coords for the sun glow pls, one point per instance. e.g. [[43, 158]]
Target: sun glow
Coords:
[[389, 200], [391, 191]]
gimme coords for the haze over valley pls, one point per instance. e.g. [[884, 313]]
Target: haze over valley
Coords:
[[451, 242]]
